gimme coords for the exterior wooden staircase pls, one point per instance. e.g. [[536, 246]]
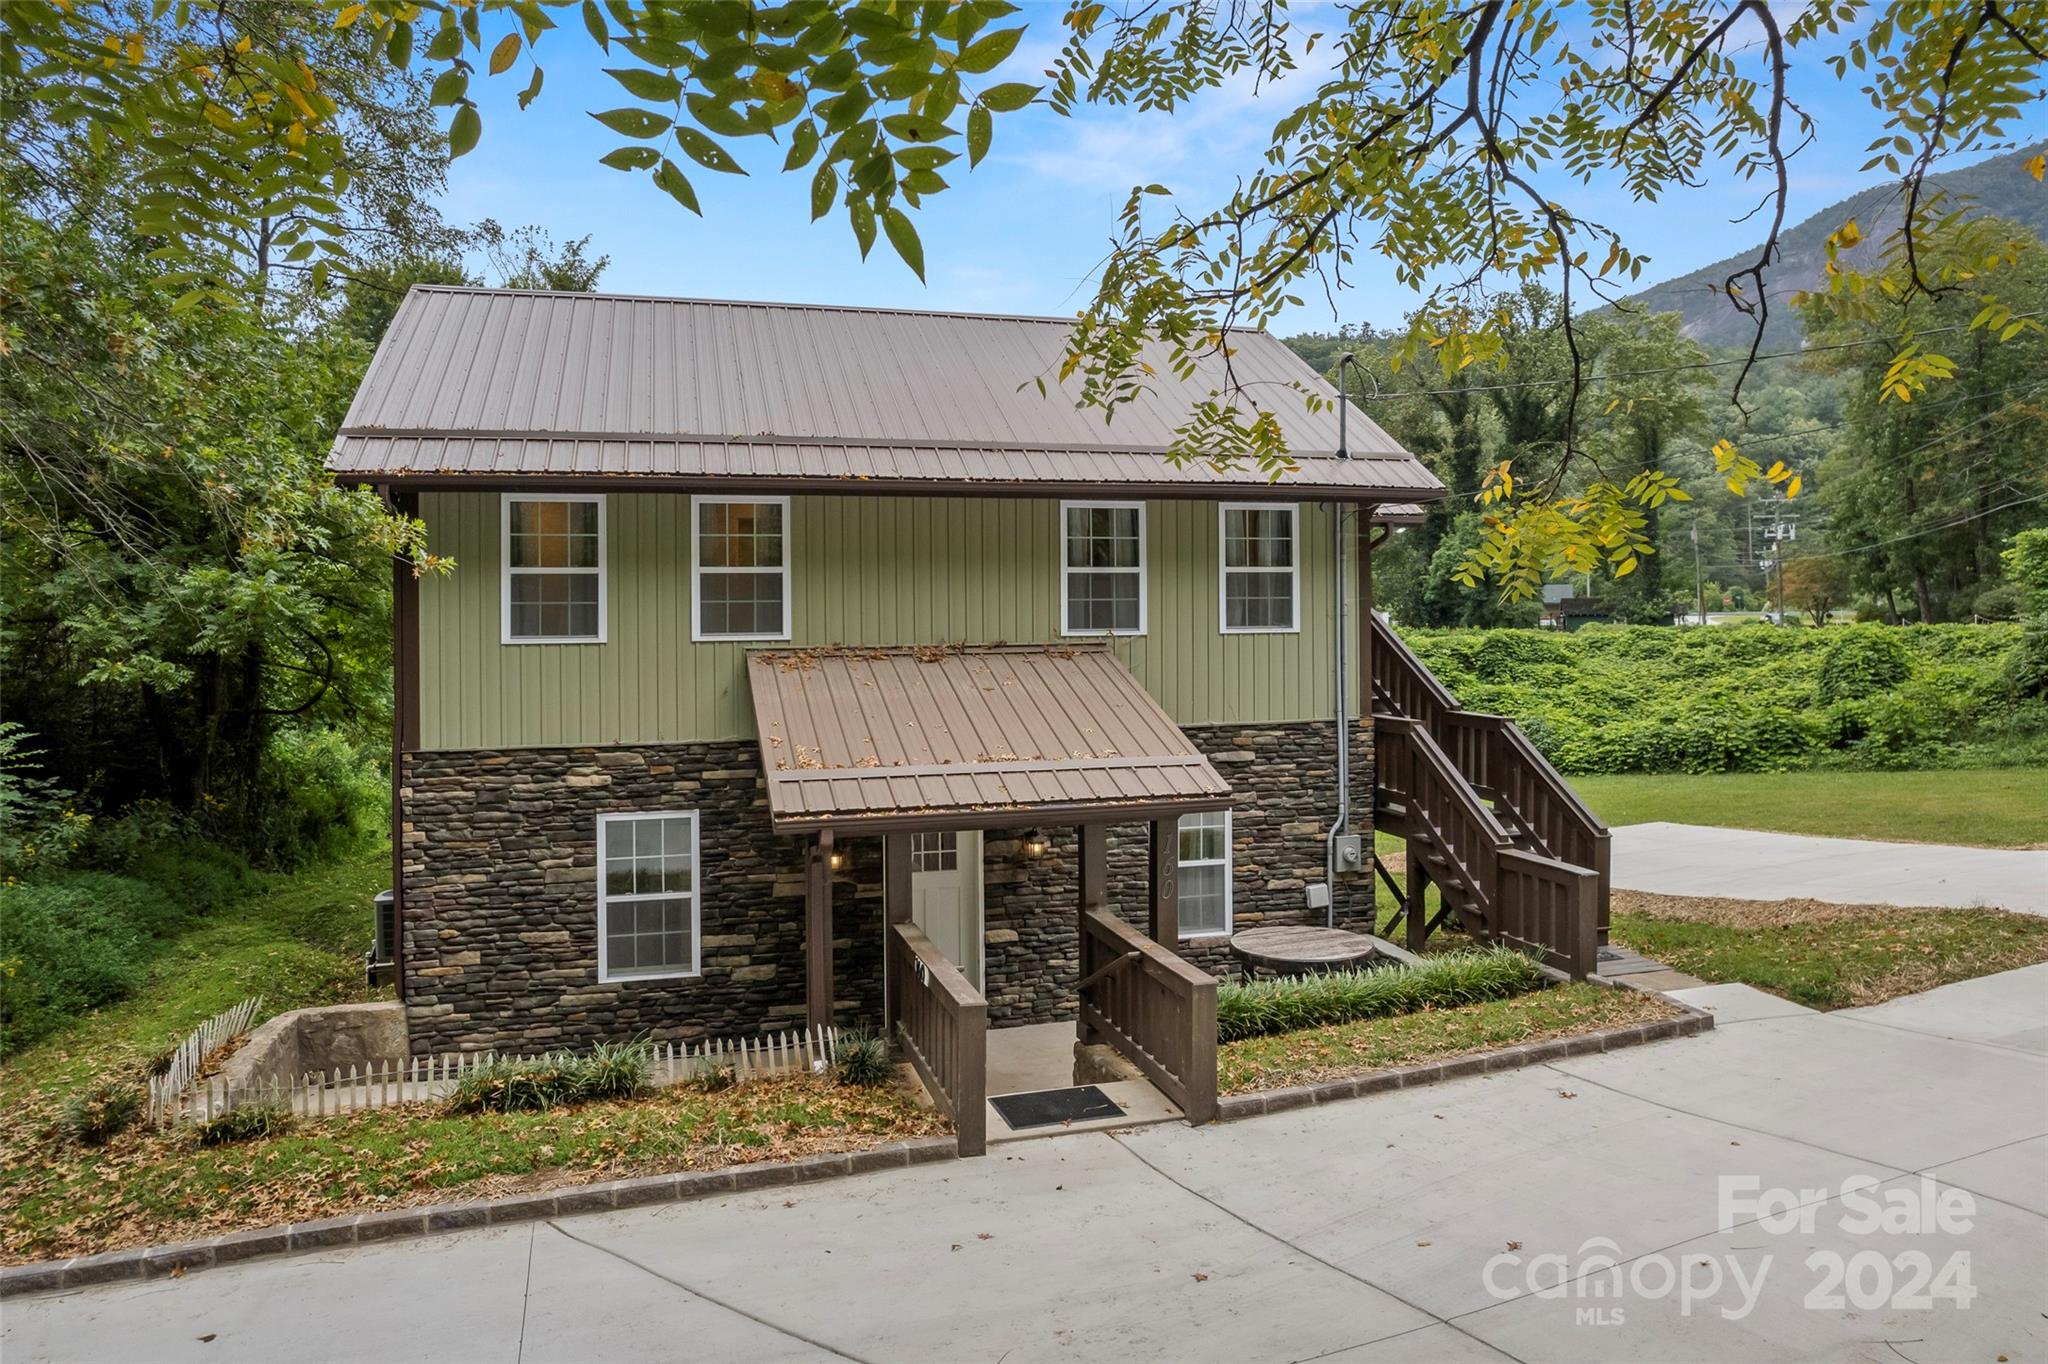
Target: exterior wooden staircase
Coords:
[[1515, 855]]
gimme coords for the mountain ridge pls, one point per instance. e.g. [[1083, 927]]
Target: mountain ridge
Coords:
[[1998, 185]]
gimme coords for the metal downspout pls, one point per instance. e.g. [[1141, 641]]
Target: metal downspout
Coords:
[[1343, 820]]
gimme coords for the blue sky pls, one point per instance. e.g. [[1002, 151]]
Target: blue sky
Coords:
[[1025, 231]]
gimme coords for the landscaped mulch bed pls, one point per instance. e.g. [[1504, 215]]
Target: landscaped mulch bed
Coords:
[[58, 1200], [1313, 1055], [1826, 956]]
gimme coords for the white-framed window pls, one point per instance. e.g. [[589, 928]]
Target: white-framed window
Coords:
[[647, 897], [739, 562], [1261, 589], [1205, 874], [553, 553], [1102, 568], [935, 852]]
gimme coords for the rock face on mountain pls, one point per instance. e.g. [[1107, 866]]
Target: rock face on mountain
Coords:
[[1997, 186]]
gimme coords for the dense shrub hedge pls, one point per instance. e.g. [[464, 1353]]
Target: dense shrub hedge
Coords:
[[1254, 1008], [1750, 698], [73, 940], [88, 902]]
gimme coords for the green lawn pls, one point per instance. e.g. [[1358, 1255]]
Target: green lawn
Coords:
[[1311, 1054], [1995, 808], [297, 940], [1828, 956]]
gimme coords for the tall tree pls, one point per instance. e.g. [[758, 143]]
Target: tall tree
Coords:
[[372, 291], [1922, 494], [522, 258], [181, 575]]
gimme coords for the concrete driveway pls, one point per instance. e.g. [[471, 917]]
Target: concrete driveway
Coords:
[[1432, 1224], [1745, 864]]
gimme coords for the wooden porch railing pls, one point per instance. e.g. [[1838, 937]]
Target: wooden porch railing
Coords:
[[1427, 800], [1502, 893], [1548, 908], [1401, 683], [1526, 793], [942, 1024], [1153, 1007]]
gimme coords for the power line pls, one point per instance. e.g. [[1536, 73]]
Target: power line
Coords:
[[2011, 391], [1910, 535], [1670, 369], [1892, 459], [1931, 530]]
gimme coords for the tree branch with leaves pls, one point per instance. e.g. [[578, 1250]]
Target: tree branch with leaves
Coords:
[[1456, 141]]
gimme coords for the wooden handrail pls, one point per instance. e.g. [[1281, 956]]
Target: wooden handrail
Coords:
[[1460, 791], [1495, 756], [1553, 781], [1547, 907], [942, 1024], [1539, 904], [1408, 679], [1159, 1011]]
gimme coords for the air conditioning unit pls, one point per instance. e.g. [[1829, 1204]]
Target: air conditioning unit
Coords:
[[379, 961]]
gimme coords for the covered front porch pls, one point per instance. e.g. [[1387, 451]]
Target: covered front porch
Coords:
[[926, 750]]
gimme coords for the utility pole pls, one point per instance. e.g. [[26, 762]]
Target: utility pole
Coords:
[[1782, 531], [1699, 586]]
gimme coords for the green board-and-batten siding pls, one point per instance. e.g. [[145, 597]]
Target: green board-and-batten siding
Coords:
[[864, 570]]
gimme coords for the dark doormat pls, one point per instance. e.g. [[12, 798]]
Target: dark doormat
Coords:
[[1045, 1107]]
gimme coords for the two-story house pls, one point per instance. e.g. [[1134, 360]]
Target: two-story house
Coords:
[[773, 625]]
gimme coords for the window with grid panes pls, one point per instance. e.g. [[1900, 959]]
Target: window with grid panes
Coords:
[[1261, 569], [554, 570], [742, 568], [1102, 568], [1205, 874], [647, 915]]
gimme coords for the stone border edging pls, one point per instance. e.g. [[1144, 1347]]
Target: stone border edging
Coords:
[[1232, 1107], [155, 1262]]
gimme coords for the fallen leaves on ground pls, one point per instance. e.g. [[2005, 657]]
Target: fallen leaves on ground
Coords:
[[1826, 956], [148, 1187]]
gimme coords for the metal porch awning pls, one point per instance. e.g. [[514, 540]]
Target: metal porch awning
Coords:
[[967, 736]]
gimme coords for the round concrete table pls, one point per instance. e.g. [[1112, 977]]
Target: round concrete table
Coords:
[[1299, 949]]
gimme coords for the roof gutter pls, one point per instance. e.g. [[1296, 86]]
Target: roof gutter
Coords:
[[1283, 491]]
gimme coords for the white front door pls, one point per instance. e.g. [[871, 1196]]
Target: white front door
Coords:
[[945, 896]]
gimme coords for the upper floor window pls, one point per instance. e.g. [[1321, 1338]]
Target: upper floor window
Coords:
[[647, 911], [1205, 874], [741, 551], [1102, 568], [1261, 569], [554, 569]]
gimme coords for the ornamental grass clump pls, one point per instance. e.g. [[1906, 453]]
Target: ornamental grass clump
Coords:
[[96, 1115], [247, 1123], [610, 1070], [861, 1059], [1260, 1007]]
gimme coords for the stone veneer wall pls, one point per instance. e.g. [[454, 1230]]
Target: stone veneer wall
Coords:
[[501, 909], [501, 901], [1285, 780]]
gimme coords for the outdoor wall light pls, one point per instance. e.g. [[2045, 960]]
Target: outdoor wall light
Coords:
[[838, 860], [1036, 843]]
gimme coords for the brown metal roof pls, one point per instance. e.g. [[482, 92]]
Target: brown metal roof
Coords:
[[470, 384], [967, 736]]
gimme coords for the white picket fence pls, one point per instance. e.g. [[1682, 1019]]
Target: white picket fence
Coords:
[[424, 1078], [167, 1089]]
